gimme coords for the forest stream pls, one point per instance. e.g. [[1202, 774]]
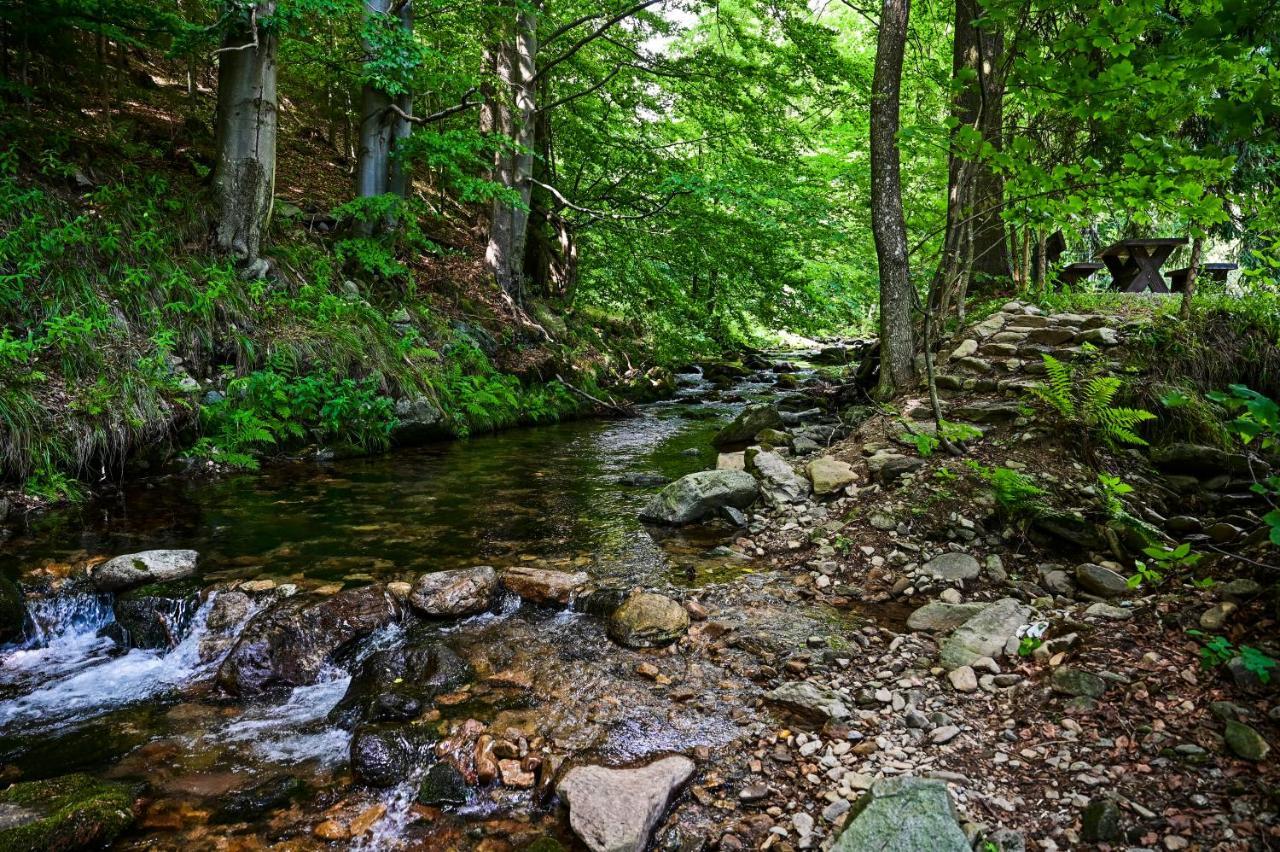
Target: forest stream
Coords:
[[543, 679]]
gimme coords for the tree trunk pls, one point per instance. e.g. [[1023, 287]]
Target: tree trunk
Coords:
[[1197, 245], [513, 117], [245, 171], [373, 164], [401, 127], [897, 340], [979, 104]]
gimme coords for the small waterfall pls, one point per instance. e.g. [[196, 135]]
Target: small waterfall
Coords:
[[56, 618], [70, 671]]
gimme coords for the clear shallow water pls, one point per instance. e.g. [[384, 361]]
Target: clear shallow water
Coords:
[[543, 493], [544, 496]]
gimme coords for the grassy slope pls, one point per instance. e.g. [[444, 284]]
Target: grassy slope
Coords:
[[118, 319]]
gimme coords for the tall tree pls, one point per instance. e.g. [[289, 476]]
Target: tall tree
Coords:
[[975, 245], [897, 338], [386, 104], [245, 172]]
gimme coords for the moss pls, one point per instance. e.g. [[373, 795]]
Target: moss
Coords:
[[74, 812]]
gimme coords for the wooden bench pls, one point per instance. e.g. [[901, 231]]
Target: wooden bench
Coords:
[[1215, 271], [1075, 272], [1135, 264]]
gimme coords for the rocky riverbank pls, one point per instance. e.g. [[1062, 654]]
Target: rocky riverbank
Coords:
[[875, 646]]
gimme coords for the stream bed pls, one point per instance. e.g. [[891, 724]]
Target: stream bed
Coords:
[[245, 773]]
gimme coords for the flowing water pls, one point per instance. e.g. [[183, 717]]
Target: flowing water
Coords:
[[72, 698]]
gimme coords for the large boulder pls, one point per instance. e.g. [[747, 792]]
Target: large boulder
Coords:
[[67, 813], [780, 485], [808, 701], [290, 644], [139, 569], [648, 620], [397, 684], [700, 495], [750, 421], [829, 475], [985, 634], [615, 810], [542, 586], [450, 593], [903, 814]]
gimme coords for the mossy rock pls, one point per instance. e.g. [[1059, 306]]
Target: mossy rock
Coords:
[[66, 813]]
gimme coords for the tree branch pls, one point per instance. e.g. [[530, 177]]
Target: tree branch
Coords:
[[465, 104], [593, 35]]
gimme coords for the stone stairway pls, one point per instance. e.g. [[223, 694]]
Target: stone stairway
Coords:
[[1002, 353]]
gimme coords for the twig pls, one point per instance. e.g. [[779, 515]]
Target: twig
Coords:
[[613, 406], [253, 25]]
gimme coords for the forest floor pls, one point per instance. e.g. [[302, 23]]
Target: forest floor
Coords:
[[1111, 732]]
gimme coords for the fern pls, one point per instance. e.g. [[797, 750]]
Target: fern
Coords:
[[1084, 400]]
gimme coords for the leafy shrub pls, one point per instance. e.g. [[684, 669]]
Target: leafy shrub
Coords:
[[268, 409], [1257, 419], [1217, 651]]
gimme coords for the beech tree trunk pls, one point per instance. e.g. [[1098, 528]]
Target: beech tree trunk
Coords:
[[897, 339], [378, 168], [245, 172], [979, 104], [514, 117]]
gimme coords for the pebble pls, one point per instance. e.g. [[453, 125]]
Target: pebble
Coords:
[[963, 679]]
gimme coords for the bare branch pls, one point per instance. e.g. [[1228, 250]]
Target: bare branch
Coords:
[[593, 35], [464, 104]]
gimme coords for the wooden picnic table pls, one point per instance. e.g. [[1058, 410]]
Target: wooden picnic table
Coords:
[[1135, 264], [1075, 272], [1216, 271]]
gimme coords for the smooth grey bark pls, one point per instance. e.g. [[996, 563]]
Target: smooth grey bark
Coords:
[[897, 338], [513, 116], [245, 172], [378, 170]]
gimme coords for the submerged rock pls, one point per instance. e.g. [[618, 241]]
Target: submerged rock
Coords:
[[66, 813], [647, 620], [290, 643], [615, 810], [443, 784], [397, 684], [258, 799], [541, 586], [985, 634], [385, 755], [903, 814], [139, 569], [700, 495], [808, 701], [750, 421], [465, 591]]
